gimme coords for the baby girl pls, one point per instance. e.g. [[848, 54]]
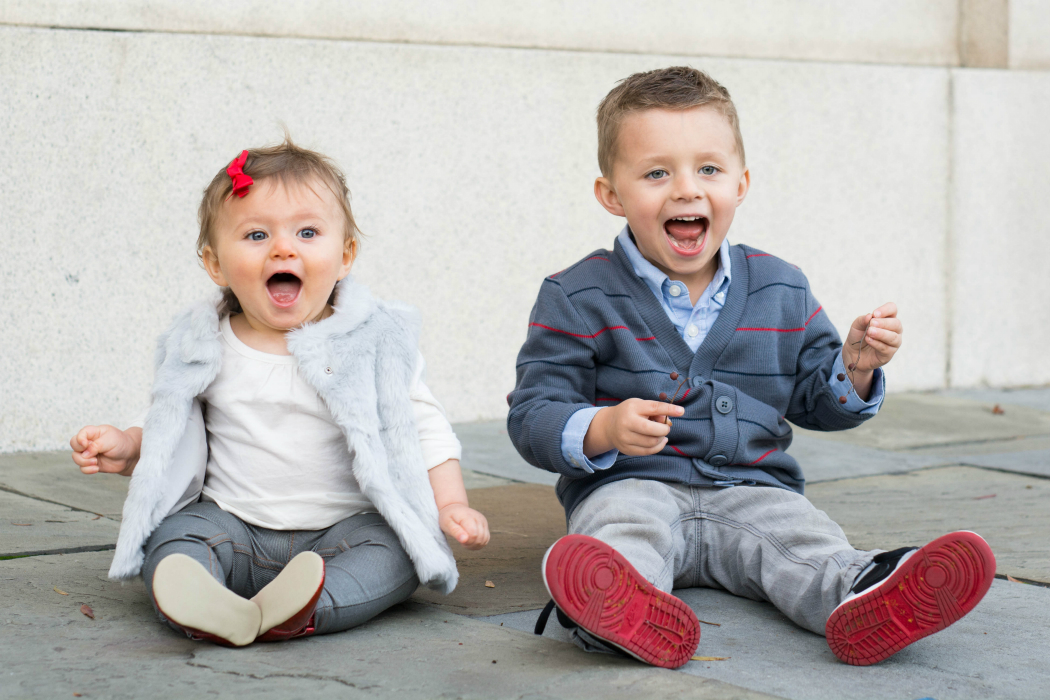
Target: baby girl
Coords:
[[293, 474]]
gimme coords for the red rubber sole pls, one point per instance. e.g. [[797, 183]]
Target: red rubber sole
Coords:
[[600, 591], [936, 586]]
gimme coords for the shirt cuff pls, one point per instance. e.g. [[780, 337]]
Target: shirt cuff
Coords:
[[844, 387], [572, 443]]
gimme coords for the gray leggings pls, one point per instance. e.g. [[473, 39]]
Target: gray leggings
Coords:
[[366, 570]]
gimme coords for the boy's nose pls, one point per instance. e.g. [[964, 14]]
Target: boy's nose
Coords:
[[687, 188]]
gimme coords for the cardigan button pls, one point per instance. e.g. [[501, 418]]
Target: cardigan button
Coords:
[[724, 404], [718, 461], [697, 381]]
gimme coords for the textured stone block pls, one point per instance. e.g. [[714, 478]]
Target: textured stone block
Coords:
[[471, 170], [871, 31], [1000, 229]]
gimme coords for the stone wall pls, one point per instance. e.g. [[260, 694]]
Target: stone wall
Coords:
[[897, 151]]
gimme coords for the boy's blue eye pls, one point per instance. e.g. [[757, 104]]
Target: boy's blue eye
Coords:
[[308, 233], [257, 235], [708, 170], [656, 174]]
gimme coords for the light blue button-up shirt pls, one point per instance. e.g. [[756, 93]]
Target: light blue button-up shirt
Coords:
[[694, 322]]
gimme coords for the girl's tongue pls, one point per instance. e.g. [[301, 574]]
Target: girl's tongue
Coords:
[[686, 235], [284, 288]]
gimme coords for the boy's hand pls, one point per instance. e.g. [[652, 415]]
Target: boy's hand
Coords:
[[872, 342], [103, 448], [465, 525], [634, 427]]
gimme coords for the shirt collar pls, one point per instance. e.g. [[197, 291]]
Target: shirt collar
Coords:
[[655, 279]]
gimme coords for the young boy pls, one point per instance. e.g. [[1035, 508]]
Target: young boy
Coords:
[[658, 379]]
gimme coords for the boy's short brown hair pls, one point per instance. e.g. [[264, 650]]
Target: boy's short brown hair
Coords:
[[289, 164], [677, 87]]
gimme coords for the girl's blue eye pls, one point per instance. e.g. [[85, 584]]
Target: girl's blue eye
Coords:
[[308, 233], [656, 174], [708, 170], [257, 235]]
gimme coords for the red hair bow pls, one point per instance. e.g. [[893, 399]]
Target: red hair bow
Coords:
[[241, 182]]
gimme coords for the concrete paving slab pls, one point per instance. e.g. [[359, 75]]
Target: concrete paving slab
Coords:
[[908, 421], [413, 651], [1037, 397], [1036, 462], [53, 476], [525, 519], [487, 449], [823, 460], [1011, 511], [998, 651], [29, 526]]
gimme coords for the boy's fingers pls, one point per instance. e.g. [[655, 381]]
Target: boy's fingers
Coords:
[[650, 428], [888, 324], [660, 408], [887, 310]]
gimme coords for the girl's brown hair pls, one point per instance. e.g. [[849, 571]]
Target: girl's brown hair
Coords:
[[289, 164]]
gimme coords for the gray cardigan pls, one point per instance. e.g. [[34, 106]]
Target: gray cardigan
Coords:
[[360, 360], [598, 335]]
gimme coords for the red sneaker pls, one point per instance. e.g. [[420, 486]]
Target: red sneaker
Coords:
[[599, 590], [288, 602], [203, 608], [929, 589]]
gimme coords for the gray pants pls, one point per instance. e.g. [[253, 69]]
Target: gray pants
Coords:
[[366, 570], [759, 542]]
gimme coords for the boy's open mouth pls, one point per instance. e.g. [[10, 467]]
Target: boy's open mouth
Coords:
[[284, 288], [687, 234]]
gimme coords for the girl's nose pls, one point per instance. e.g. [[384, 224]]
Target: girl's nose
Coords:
[[282, 248]]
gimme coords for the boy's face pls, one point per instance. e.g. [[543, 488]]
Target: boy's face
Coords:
[[281, 250], [678, 179]]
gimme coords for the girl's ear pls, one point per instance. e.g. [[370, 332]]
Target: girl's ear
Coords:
[[349, 255], [211, 265]]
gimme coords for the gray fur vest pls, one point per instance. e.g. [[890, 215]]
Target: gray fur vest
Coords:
[[360, 360]]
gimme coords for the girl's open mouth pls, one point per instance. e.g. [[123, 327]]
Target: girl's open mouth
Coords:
[[687, 234], [284, 288]]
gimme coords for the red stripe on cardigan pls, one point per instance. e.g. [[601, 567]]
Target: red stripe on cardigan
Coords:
[[595, 335], [679, 451], [786, 330], [762, 457]]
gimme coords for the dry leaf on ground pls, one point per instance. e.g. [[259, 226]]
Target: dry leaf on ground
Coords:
[[86, 609], [713, 624], [997, 410], [1011, 578], [489, 584], [59, 591], [710, 658]]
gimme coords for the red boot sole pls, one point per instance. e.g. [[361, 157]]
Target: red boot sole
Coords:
[[599, 590], [936, 586]]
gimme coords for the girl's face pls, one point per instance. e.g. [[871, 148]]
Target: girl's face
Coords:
[[281, 250]]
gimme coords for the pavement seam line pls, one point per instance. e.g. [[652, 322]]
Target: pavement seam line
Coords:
[[8, 489], [67, 550]]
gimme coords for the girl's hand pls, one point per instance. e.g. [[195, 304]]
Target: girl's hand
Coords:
[[103, 448], [465, 525]]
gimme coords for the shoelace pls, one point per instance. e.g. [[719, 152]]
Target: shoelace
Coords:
[[563, 619]]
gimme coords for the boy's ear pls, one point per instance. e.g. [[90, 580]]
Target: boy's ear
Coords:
[[606, 196], [211, 266], [743, 187], [349, 255]]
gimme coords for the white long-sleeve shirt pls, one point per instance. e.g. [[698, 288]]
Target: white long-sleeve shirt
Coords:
[[276, 457]]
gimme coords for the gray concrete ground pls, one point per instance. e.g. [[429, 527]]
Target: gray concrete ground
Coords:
[[930, 463]]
